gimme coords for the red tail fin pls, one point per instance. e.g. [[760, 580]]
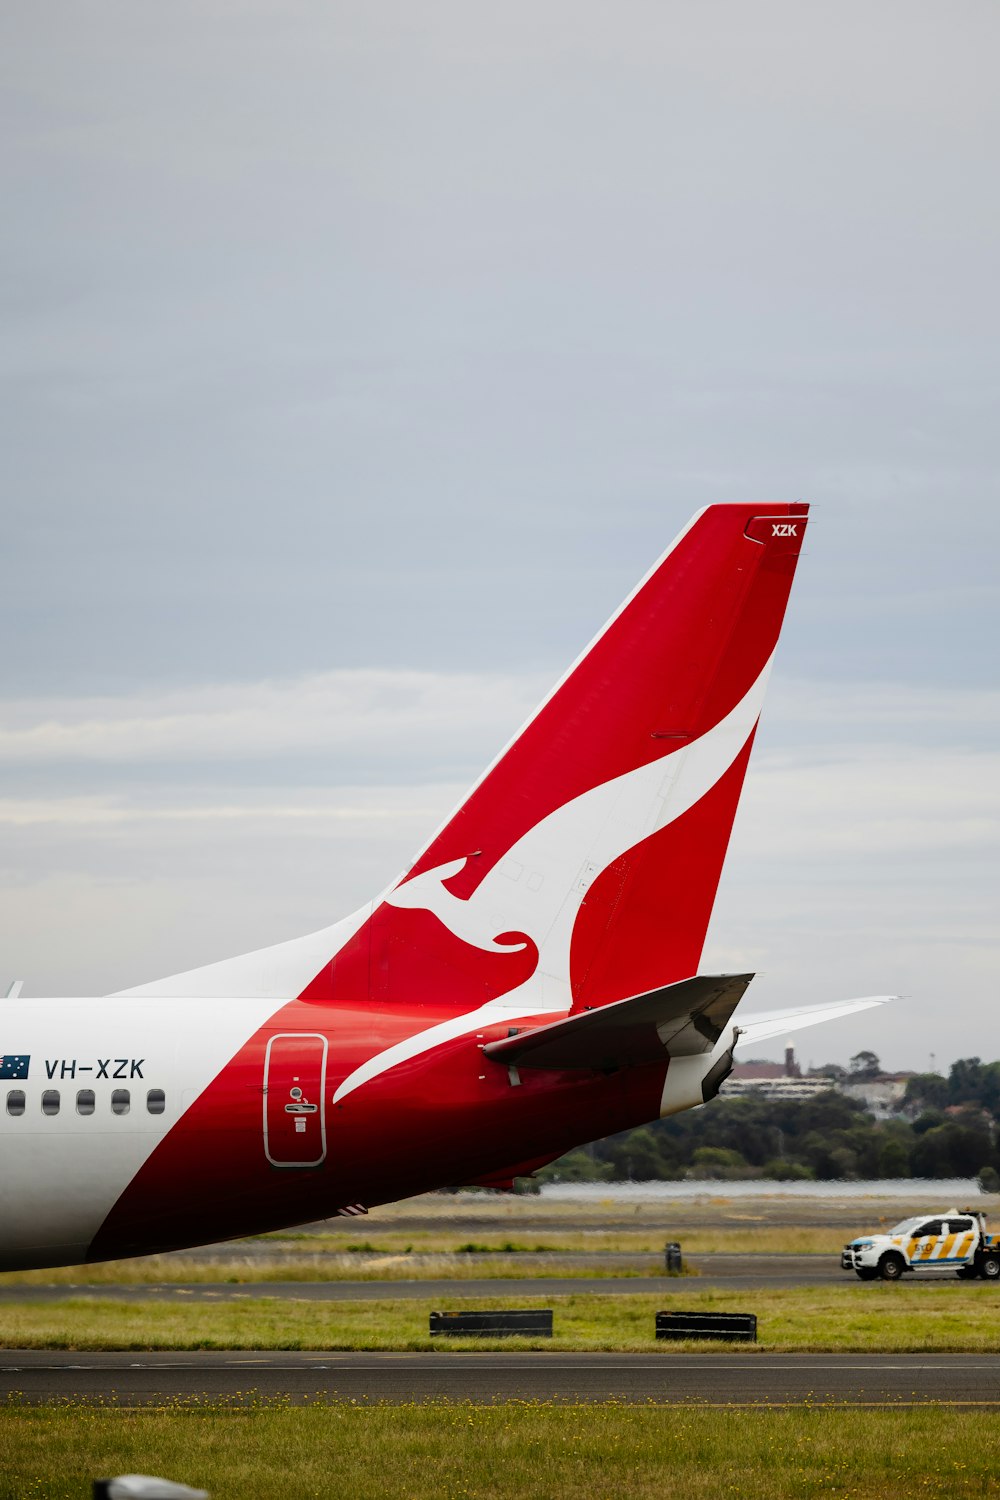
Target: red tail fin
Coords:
[[583, 866]]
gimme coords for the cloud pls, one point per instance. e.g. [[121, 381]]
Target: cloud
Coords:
[[347, 363], [318, 809], [341, 714], [817, 804], [411, 715], [863, 858], [884, 769], [870, 711]]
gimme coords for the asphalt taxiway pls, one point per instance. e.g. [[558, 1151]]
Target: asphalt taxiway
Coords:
[[366, 1291], [745, 1379]]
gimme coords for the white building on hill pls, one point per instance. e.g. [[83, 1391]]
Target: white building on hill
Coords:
[[879, 1095]]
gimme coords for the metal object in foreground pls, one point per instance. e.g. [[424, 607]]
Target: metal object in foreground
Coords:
[[534, 1323], [741, 1327], [144, 1487]]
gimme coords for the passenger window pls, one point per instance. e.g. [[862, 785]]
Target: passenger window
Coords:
[[50, 1101], [120, 1101], [85, 1102], [933, 1226], [156, 1101], [960, 1226], [15, 1101]]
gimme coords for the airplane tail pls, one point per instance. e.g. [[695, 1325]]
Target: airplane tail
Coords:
[[583, 865]]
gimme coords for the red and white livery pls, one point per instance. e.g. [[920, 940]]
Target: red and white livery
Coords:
[[529, 983]]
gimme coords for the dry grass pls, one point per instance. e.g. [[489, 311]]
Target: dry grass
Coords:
[[501, 1452], [643, 1240], [426, 1257], [318, 1257], [513, 1235], [162, 1270], [906, 1317]]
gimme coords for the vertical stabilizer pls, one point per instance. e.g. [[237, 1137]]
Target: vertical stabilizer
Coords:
[[583, 866]]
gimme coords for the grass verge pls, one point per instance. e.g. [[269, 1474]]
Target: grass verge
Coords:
[[167, 1270], [954, 1317], [500, 1452], [291, 1256]]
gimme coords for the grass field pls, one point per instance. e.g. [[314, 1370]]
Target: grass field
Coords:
[[429, 1255], [488, 1234], [166, 1270], [516, 1449], [952, 1317], [539, 1450]]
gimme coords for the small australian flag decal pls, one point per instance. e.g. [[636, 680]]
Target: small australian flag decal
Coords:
[[14, 1065]]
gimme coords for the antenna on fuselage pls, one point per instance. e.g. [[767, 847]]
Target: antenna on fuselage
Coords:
[[14, 989]]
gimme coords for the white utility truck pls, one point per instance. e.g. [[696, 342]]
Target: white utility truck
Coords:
[[953, 1241]]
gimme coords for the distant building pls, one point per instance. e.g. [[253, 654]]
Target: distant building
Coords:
[[777, 1088], [775, 1080], [880, 1095]]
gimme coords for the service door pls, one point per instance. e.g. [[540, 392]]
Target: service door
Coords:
[[294, 1106]]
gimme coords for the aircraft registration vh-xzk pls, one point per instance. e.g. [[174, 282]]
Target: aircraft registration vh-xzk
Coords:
[[528, 984]]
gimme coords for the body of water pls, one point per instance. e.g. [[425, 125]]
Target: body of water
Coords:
[[935, 1192]]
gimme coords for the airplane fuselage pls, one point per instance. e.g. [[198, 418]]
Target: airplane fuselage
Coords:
[[530, 982], [143, 1127]]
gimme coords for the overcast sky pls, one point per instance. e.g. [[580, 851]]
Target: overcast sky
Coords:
[[357, 358]]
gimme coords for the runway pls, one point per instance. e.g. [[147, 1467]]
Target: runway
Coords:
[[375, 1291], [750, 1379]]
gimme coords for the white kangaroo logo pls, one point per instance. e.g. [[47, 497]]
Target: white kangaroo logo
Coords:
[[537, 887], [567, 850], [427, 892]]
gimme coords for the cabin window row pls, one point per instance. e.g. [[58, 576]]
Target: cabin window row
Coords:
[[86, 1101]]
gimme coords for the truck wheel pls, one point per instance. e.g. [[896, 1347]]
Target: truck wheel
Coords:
[[867, 1273], [989, 1267], [967, 1273], [891, 1267]]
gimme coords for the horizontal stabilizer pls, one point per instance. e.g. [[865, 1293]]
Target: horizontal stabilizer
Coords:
[[681, 1019], [754, 1029]]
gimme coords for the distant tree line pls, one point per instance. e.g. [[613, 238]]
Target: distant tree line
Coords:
[[969, 1082], [827, 1137]]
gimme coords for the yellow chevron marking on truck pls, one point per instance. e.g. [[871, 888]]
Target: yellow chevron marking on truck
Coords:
[[965, 1246], [944, 1249]]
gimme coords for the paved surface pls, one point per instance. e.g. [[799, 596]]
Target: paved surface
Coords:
[[350, 1291], [735, 1273], [744, 1379], [715, 1272], [368, 1291]]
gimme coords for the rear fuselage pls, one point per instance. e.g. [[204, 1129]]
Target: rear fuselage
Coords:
[[578, 875], [137, 1126]]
